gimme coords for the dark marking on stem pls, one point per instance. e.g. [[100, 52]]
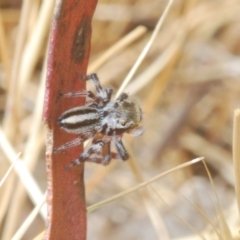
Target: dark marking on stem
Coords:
[[81, 40]]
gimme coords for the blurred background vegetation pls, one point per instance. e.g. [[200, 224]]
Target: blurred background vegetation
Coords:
[[188, 86]]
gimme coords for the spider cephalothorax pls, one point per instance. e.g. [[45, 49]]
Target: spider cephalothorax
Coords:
[[103, 120]]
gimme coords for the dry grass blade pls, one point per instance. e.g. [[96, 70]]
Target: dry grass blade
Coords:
[[155, 218], [215, 155], [236, 154], [225, 231], [132, 189], [25, 176], [30, 155], [206, 218], [35, 142], [157, 66], [10, 121], [117, 47], [98, 177], [147, 200], [25, 225], [145, 50], [179, 217], [40, 236], [4, 54], [33, 47], [9, 170]]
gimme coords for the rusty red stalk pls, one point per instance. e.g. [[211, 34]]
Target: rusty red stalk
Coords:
[[67, 61]]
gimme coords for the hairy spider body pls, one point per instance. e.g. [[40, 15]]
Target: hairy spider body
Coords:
[[103, 120]]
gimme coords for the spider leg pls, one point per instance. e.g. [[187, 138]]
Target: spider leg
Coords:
[[75, 142], [83, 93], [121, 149], [95, 148], [106, 156], [106, 153], [95, 159], [101, 159], [122, 97], [104, 94]]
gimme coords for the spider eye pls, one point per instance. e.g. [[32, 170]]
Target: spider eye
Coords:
[[122, 122]]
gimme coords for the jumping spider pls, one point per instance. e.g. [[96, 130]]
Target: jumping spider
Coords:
[[103, 120]]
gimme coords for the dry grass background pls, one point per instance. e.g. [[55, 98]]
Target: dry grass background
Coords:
[[188, 86]]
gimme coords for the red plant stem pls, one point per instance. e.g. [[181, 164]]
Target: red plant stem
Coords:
[[67, 61]]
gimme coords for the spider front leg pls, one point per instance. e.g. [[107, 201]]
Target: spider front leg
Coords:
[[121, 149], [104, 94]]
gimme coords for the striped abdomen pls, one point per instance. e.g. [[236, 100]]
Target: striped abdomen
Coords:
[[80, 120]]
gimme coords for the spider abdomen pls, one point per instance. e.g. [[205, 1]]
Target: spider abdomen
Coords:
[[80, 119]]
